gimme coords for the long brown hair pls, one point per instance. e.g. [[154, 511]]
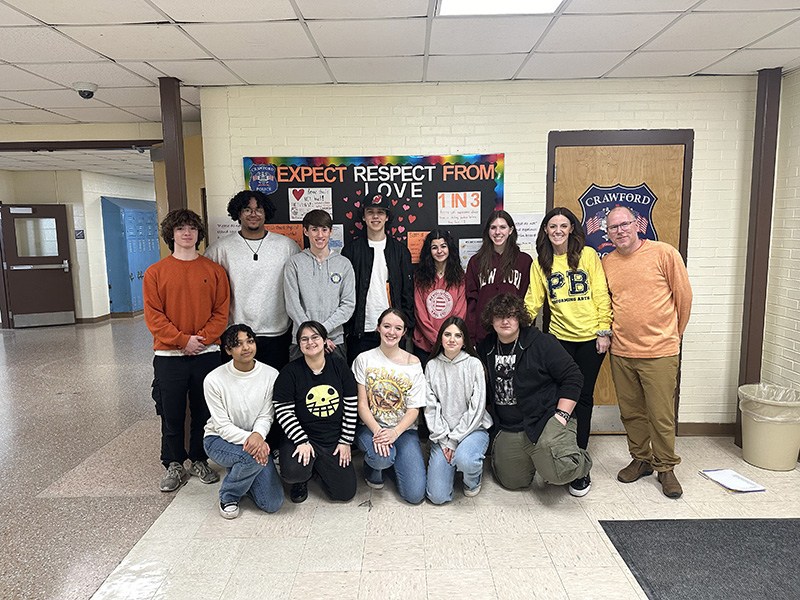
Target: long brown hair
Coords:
[[485, 255], [425, 275], [577, 240], [438, 348]]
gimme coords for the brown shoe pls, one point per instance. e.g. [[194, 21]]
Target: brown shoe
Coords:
[[634, 471], [669, 484]]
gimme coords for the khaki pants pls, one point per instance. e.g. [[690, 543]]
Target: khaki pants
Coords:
[[646, 392], [555, 456]]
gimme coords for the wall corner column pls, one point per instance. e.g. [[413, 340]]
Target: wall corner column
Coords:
[[172, 128]]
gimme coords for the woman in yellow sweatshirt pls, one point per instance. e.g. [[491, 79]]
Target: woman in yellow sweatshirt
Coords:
[[568, 274]]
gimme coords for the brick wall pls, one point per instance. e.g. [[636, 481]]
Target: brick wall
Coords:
[[515, 118]]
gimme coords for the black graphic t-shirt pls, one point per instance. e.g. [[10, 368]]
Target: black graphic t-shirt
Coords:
[[509, 415], [312, 406]]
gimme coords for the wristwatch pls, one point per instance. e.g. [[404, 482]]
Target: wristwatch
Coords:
[[564, 414]]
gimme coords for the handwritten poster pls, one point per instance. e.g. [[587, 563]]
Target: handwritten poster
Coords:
[[303, 200], [459, 208]]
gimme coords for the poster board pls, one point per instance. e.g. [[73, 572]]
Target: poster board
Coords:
[[456, 193]]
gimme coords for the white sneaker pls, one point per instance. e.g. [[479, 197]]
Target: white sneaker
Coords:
[[229, 510], [471, 493]]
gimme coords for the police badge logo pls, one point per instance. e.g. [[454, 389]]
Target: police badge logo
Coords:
[[597, 201], [262, 178], [336, 277]]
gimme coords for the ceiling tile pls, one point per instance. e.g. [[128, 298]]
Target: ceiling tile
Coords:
[[153, 114], [667, 64], [55, 99], [89, 11], [125, 97], [143, 69], [12, 78], [190, 94], [489, 35], [570, 65], [750, 61], [8, 103], [709, 31], [626, 6], [361, 9], [204, 11], [602, 32], [748, 5], [275, 72], [104, 74], [394, 69], [388, 37], [136, 42], [33, 115], [253, 40], [9, 16], [788, 37], [473, 68], [99, 115], [198, 72], [40, 44]]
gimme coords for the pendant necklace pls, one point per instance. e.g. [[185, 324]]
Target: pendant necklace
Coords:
[[255, 252]]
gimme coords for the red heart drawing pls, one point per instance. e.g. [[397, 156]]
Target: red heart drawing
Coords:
[[359, 224], [394, 230], [394, 202], [406, 207], [358, 192], [401, 229], [349, 215], [356, 204], [399, 218], [351, 231], [411, 218], [298, 193], [419, 204]]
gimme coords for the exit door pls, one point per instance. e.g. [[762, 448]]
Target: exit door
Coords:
[[652, 167], [36, 266]]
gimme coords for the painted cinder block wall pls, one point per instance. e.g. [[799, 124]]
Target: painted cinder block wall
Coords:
[[515, 118]]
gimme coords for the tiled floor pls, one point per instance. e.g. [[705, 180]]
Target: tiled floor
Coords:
[[81, 505]]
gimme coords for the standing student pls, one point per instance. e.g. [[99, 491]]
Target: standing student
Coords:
[[569, 276], [315, 403], [185, 308], [498, 267], [239, 397], [456, 413], [391, 390], [319, 285], [254, 259], [382, 267], [439, 290]]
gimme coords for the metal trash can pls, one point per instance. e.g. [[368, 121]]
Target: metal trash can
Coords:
[[770, 426]]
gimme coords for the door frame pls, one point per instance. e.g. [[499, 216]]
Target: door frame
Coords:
[[629, 137], [633, 137]]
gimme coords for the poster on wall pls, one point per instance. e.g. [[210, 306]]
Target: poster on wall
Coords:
[[456, 192]]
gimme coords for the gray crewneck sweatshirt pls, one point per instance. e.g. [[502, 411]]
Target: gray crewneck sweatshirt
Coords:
[[320, 291], [456, 403]]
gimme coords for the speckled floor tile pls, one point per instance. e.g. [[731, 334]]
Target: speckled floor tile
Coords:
[[455, 551], [394, 553], [342, 585], [332, 553], [523, 551], [594, 583], [463, 584], [541, 583], [396, 585]]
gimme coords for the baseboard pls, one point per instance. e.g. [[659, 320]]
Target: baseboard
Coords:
[[127, 315], [100, 319], [708, 429]]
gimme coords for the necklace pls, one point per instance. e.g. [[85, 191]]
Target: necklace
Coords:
[[255, 252], [513, 348]]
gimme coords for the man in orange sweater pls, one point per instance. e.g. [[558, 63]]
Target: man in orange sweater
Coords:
[[651, 299], [186, 299]]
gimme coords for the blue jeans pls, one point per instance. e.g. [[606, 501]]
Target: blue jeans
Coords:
[[245, 475], [405, 456], [468, 459]]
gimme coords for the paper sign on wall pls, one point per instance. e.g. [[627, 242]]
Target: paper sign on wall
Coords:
[[302, 200], [459, 208], [467, 248], [527, 227]]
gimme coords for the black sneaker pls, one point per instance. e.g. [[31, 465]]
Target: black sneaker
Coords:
[[299, 492], [581, 486]]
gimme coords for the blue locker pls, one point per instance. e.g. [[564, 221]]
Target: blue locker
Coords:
[[131, 241]]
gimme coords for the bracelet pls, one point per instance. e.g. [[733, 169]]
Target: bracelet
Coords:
[[605, 333], [564, 414]]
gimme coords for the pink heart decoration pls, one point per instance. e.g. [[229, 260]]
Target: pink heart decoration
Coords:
[[419, 204], [356, 204], [344, 199], [406, 207], [359, 224], [400, 218], [349, 215], [358, 192], [401, 229], [411, 218]]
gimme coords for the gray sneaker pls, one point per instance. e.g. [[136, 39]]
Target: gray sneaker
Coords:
[[203, 472], [176, 476]]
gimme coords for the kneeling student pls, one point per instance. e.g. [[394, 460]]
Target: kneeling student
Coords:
[[533, 389], [239, 398], [315, 403]]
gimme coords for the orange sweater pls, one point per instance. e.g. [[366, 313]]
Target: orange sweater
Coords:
[[185, 298], [651, 298]]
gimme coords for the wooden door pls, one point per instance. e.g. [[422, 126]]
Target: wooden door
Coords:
[[36, 265], [586, 179]]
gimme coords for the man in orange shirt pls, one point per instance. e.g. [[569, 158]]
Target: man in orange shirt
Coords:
[[651, 299], [186, 299]]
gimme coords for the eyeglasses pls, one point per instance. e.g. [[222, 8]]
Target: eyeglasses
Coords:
[[253, 211], [623, 226], [314, 338]]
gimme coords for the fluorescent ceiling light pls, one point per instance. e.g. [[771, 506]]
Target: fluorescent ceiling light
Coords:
[[497, 7]]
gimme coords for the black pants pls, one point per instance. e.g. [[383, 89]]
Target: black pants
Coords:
[[358, 344], [339, 483], [175, 377], [589, 361]]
